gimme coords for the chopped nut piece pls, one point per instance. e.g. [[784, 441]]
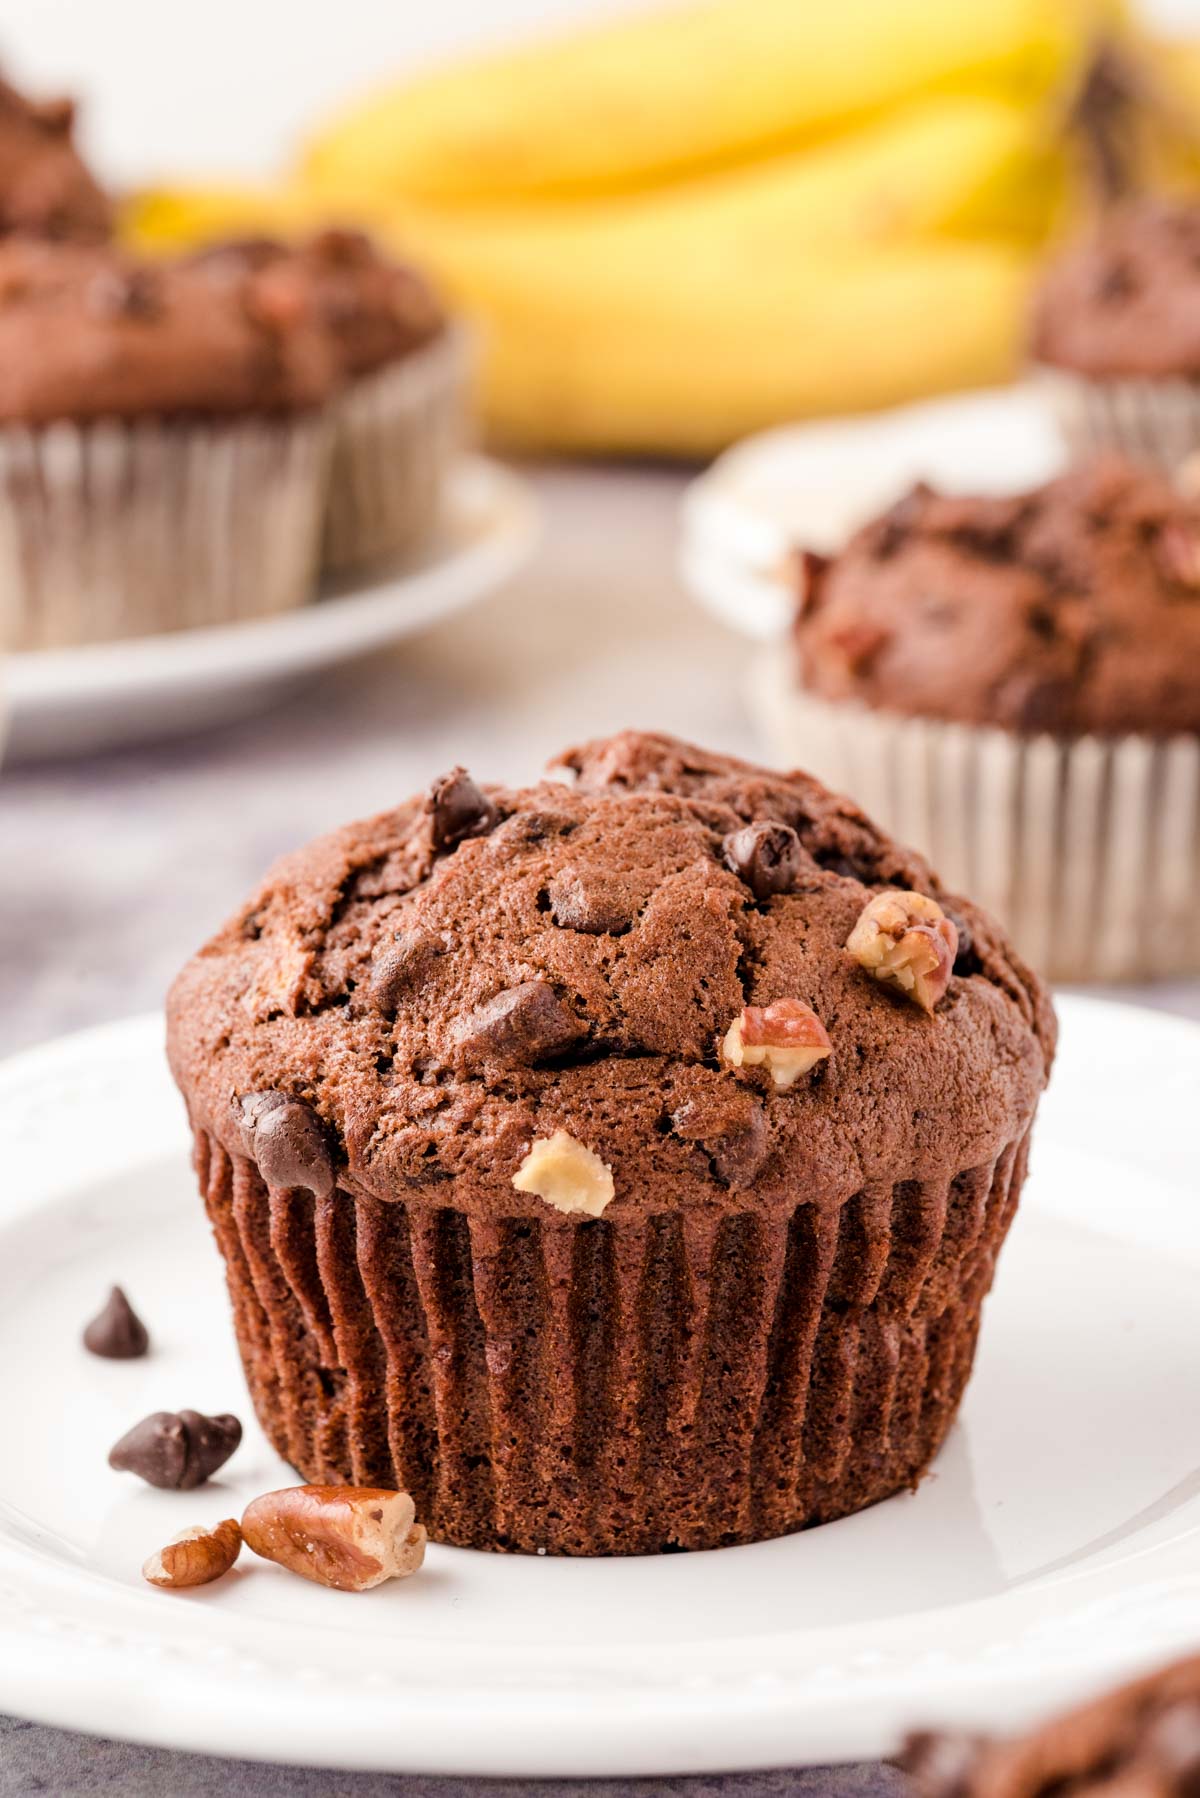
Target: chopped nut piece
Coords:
[[195, 1557], [906, 940], [566, 1175], [347, 1537], [787, 1038]]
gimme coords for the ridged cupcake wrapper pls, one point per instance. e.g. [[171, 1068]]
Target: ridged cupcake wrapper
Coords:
[[1155, 421], [614, 1386], [1087, 850], [115, 529], [396, 435]]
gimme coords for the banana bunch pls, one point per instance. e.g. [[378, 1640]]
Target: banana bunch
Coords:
[[696, 222]]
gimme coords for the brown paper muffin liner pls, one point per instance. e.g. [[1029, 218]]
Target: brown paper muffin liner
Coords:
[[1086, 849], [611, 1386], [396, 435], [1154, 421], [123, 529]]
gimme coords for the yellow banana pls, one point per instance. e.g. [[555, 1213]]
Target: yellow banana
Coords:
[[669, 366], [682, 90]]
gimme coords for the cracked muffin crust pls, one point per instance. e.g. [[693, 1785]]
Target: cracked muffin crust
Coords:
[[761, 1311], [1068, 609]]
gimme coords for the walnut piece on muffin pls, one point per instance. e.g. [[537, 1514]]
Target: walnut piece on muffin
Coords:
[[1071, 609], [511, 1218]]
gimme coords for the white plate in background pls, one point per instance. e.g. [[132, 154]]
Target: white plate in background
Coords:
[[812, 484], [1055, 1545], [75, 701]]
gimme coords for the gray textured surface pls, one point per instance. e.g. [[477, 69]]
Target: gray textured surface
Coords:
[[113, 870], [33, 1759]]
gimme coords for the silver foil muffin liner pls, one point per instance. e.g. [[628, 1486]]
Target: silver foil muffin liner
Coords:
[[122, 529], [1086, 849], [1155, 421], [395, 436], [621, 1385]]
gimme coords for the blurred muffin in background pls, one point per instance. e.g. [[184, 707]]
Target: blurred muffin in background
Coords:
[[398, 420], [1014, 686], [1116, 332], [162, 447], [46, 189], [1140, 1741]]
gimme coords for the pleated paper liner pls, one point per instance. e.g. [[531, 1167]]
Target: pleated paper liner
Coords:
[[1150, 420], [122, 529], [618, 1385], [1087, 850], [396, 435]]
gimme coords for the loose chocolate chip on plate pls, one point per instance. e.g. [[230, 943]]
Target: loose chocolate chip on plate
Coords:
[[176, 1450], [287, 1140], [940, 1763], [458, 809], [768, 857], [117, 1333], [526, 1023]]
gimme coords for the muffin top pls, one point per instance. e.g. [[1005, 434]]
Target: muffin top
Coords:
[[1070, 609], [375, 311], [1143, 1740], [1125, 301], [427, 996], [87, 332], [45, 189]]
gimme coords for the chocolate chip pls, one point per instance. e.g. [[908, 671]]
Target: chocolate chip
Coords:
[[124, 293], [526, 1023], [287, 1140], [941, 1763], [965, 959], [768, 857], [731, 1128], [458, 809], [399, 967], [176, 1450], [590, 903], [117, 1333]]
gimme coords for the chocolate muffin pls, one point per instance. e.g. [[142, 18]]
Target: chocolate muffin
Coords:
[[616, 1167], [1071, 609], [1142, 1739], [398, 418], [162, 446], [45, 188], [1116, 329], [1014, 684]]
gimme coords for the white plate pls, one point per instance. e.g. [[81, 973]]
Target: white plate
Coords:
[[812, 484], [70, 701], [1056, 1544]]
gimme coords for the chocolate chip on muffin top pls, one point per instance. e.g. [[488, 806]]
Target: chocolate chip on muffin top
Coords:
[[1069, 609], [1125, 301], [373, 310], [45, 188], [88, 332], [431, 995]]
